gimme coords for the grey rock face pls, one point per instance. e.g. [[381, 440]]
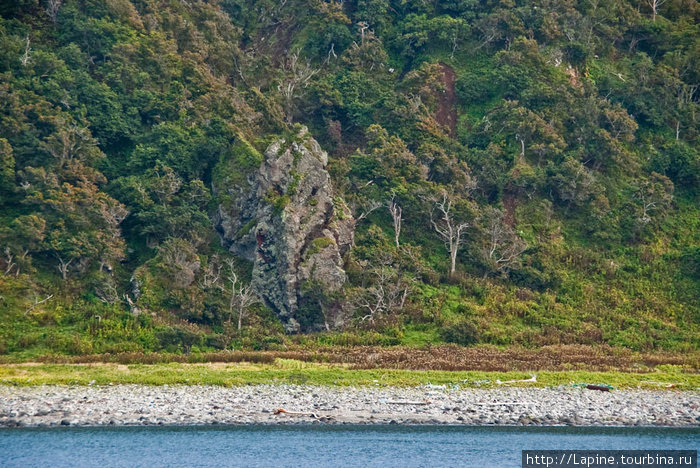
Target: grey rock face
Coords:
[[289, 224]]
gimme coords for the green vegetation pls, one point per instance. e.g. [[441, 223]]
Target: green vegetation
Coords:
[[296, 372], [318, 245], [562, 136], [234, 166], [247, 227]]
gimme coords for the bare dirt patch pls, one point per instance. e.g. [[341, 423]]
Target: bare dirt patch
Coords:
[[446, 113]]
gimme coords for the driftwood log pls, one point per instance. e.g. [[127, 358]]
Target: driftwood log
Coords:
[[600, 388], [299, 413]]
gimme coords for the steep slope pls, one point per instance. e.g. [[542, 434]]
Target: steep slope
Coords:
[[152, 157]]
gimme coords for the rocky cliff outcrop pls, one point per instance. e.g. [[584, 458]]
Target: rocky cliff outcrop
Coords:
[[289, 224]]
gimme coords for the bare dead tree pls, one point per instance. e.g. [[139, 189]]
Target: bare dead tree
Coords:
[[488, 27], [454, 45], [367, 208], [52, 7], [166, 186], [133, 308], [521, 140], [448, 228], [331, 53], [388, 292], [69, 142], [211, 274], [27, 56], [240, 71], [647, 205], [114, 214], [362, 26], [504, 246], [37, 302], [107, 291], [395, 210], [297, 78], [9, 260], [64, 265], [15, 261], [655, 4], [654, 197], [241, 297]]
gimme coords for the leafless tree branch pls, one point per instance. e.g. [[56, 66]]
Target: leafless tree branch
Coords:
[[448, 228]]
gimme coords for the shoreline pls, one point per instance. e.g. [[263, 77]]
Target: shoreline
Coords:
[[198, 405]]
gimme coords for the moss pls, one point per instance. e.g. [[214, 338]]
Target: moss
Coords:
[[322, 242], [297, 135], [263, 143], [246, 228], [280, 203], [318, 245], [245, 155], [339, 206], [277, 200], [233, 168], [294, 183]]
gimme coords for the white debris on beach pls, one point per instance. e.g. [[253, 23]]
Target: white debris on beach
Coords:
[[304, 404]]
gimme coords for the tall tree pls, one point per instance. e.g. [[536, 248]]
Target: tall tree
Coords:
[[448, 226]]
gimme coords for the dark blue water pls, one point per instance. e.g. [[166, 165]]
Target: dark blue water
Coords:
[[312, 446]]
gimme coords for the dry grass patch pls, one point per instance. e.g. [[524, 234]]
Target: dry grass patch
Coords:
[[444, 358]]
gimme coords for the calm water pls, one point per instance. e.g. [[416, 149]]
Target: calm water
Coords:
[[306, 446]]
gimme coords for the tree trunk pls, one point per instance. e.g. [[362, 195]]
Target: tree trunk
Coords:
[[453, 260], [396, 213], [325, 317], [8, 261], [63, 266]]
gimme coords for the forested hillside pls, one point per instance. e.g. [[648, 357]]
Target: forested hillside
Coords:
[[510, 172]]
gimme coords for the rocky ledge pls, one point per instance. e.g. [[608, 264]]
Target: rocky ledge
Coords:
[[294, 404]]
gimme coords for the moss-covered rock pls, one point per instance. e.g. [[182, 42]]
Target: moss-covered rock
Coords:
[[287, 220]]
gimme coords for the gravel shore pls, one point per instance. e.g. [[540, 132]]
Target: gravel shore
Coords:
[[258, 404]]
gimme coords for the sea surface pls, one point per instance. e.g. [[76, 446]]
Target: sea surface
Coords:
[[315, 446]]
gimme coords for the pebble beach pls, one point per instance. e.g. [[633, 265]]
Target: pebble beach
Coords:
[[127, 405]]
